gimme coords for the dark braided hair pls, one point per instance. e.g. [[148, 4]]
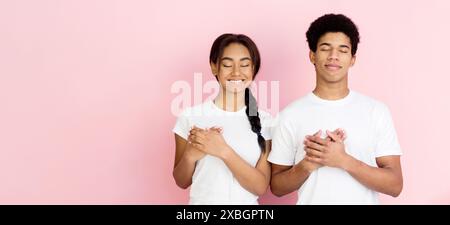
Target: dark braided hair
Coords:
[[250, 102], [253, 117]]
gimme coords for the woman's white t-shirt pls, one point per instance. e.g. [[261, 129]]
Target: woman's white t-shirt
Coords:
[[212, 181]]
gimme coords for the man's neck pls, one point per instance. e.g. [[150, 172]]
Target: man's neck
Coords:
[[333, 91]]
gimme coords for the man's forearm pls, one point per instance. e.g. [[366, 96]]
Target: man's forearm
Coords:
[[383, 180], [289, 180]]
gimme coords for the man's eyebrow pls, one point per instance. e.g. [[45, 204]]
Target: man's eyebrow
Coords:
[[326, 44], [340, 46]]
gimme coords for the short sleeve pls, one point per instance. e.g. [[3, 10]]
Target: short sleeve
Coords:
[[266, 125], [283, 143], [182, 125], [385, 134]]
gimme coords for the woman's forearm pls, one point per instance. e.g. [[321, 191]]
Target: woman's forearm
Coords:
[[251, 178], [183, 172]]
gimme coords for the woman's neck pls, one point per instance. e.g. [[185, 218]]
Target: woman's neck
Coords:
[[230, 101]]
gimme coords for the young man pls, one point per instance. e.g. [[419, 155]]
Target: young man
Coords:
[[306, 156]]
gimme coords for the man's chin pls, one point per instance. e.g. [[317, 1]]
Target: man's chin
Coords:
[[334, 78]]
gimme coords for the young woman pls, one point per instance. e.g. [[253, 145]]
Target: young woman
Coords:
[[222, 145]]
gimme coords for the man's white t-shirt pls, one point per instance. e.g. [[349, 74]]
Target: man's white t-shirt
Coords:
[[370, 134], [212, 181]]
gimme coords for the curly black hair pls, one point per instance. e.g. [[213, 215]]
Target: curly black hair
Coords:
[[332, 23]]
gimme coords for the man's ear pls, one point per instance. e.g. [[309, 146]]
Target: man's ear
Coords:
[[214, 69], [312, 57], [352, 62]]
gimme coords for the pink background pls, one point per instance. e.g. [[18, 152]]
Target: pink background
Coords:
[[85, 88]]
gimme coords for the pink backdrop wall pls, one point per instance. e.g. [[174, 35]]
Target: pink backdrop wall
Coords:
[[85, 96]]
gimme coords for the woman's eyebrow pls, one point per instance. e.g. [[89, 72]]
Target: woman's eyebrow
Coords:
[[242, 59]]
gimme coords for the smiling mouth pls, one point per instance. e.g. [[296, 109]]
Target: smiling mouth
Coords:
[[333, 67], [235, 81]]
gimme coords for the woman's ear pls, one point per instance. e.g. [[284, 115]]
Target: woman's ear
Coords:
[[214, 69]]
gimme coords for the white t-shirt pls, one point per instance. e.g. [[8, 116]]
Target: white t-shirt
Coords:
[[370, 134], [212, 181]]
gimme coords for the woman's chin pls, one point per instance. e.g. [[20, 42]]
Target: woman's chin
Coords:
[[235, 90]]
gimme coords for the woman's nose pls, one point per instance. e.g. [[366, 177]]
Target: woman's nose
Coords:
[[236, 70]]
